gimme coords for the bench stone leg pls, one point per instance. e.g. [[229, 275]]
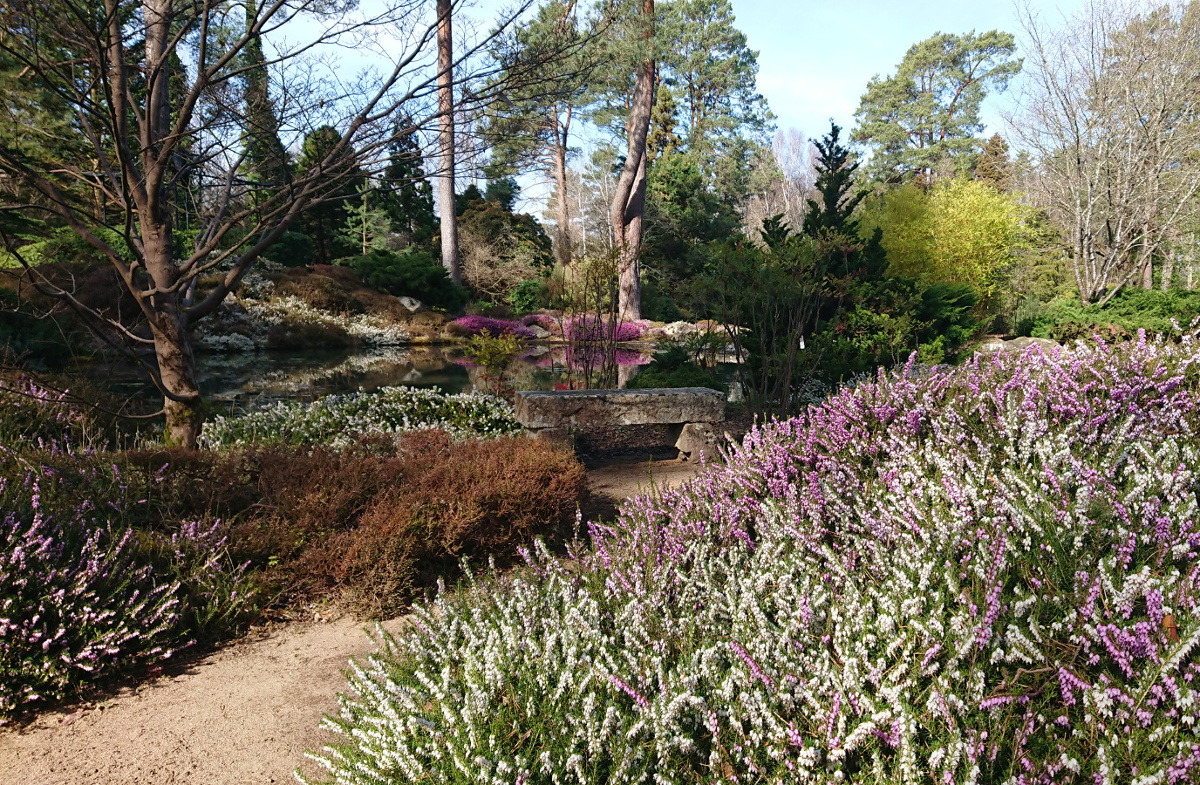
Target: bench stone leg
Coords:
[[694, 438], [561, 435]]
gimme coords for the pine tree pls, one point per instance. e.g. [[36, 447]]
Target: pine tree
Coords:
[[663, 139], [994, 165], [265, 155], [405, 193], [830, 218], [367, 224], [833, 209]]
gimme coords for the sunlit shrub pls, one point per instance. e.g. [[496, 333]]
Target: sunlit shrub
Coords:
[[986, 575], [82, 596]]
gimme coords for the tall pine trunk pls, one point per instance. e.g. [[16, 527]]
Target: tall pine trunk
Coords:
[[629, 201], [449, 218], [560, 175]]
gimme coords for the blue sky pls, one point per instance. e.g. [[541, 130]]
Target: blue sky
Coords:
[[815, 58]]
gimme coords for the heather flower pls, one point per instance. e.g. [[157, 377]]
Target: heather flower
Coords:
[[986, 574], [341, 420]]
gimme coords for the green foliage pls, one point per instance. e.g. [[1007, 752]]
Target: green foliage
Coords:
[[33, 338], [503, 191], [323, 220], [1132, 309], [494, 354], [710, 68], [511, 234], [768, 300], [530, 295], [830, 218], [682, 217], [292, 249], [960, 231], [405, 195], [673, 367], [928, 112], [64, 245], [411, 272], [367, 225], [994, 166]]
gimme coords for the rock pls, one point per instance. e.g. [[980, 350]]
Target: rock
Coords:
[[1021, 344], [411, 303], [539, 333], [539, 350], [992, 344], [597, 408], [563, 436], [679, 329], [696, 438]]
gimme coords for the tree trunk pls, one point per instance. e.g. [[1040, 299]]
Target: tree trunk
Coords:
[[629, 292], [449, 218], [177, 371], [564, 213], [630, 199], [1168, 270]]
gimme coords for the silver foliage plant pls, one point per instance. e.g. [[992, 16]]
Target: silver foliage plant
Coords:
[[987, 575]]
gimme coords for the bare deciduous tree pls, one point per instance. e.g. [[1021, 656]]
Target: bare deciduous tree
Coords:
[[156, 88], [789, 183], [1108, 108]]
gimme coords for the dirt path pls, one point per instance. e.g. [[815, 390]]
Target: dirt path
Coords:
[[243, 714]]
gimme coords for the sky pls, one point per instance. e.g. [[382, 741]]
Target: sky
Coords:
[[815, 58]]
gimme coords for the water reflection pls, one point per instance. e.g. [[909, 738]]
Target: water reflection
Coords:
[[256, 379]]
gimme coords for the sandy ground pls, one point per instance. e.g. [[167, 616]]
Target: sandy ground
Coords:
[[243, 714]]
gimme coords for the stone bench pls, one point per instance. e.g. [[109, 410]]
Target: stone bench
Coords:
[[689, 413]]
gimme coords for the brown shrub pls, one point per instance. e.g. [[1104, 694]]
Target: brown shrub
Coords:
[[375, 522], [452, 499]]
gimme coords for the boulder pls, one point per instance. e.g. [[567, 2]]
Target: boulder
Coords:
[[694, 439], [677, 330], [411, 303], [539, 333], [1021, 344]]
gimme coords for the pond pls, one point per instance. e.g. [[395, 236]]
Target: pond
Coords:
[[243, 381]]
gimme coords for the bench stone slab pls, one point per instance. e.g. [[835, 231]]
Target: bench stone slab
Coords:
[[538, 410]]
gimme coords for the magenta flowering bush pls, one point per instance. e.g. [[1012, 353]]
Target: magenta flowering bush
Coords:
[[587, 327], [475, 325], [988, 575]]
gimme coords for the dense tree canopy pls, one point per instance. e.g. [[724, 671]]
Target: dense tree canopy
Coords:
[[924, 117]]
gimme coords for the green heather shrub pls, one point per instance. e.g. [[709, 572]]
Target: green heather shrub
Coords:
[[980, 576], [411, 273], [342, 420]]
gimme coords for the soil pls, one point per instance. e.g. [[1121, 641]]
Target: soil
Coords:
[[246, 713]]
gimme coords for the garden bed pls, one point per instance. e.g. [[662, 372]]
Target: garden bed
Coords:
[[985, 575]]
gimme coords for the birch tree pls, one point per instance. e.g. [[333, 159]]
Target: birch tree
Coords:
[[1109, 109]]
